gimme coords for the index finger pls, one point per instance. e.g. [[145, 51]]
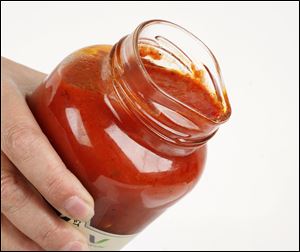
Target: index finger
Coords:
[[29, 149]]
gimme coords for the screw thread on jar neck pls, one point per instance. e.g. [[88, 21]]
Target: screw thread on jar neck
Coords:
[[169, 118]]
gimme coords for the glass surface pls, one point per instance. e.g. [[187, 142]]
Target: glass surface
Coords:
[[123, 124]]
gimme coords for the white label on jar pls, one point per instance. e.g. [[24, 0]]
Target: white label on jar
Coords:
[[99, 240]]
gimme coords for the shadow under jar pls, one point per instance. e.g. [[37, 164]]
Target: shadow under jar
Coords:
[[132, 120]]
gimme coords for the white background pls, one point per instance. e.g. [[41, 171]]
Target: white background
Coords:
[[248, 197]]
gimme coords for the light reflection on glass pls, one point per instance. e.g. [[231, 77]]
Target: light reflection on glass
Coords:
[[77, 127], [143, 159]]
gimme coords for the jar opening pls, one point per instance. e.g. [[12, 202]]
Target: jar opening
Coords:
[[173, 48]]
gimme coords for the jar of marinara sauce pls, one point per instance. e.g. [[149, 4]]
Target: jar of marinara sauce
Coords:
[[131, 121]]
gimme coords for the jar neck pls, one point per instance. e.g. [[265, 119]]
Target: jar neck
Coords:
[[160, 120]]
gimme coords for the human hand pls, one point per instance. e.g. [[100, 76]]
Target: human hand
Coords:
[[30, 171]]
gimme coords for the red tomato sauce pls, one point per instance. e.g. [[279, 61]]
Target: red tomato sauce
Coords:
[[131, 183]]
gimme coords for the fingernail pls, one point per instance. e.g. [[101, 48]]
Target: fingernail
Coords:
[[78, 209], [75, 246]]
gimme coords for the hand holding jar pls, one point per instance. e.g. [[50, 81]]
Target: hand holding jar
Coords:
[[32, 172]]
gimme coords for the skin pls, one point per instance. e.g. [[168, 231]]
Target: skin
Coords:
[[31, 171]]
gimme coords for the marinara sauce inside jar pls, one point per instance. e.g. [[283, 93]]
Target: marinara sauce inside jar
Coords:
[[132, 120]]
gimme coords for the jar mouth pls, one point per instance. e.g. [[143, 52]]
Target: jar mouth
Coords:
[[201, 57]]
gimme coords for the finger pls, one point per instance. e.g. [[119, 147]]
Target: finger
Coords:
[[13, 240], [27, 78], [26, 210], [28, 148]]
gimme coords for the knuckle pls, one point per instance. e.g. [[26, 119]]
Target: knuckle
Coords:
[[55, 184], [56, 234], [13, 194], [7, 179], [19, 139], [49, 235]]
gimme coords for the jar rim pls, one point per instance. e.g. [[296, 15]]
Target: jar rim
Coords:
[[223, 94]]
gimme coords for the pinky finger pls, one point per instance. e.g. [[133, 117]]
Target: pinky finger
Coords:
[[13, 240]]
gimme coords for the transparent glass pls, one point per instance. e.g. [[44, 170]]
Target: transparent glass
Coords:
[[137, 146]]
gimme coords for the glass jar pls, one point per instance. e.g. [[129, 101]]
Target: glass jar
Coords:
[[131, 121]]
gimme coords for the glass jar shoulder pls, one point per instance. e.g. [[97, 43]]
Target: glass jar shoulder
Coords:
[[86, 68]]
